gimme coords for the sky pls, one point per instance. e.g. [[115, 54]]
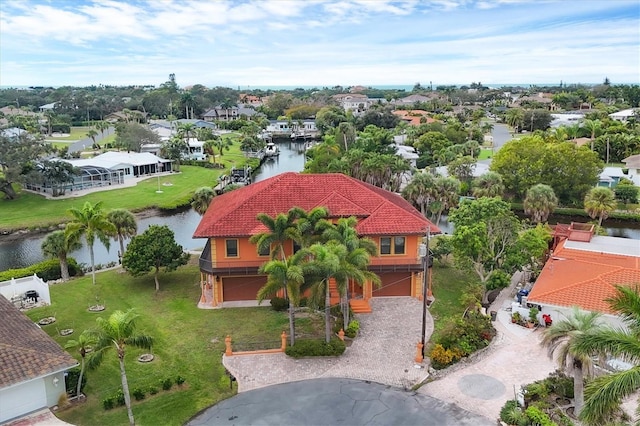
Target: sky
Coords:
[[278, 43]]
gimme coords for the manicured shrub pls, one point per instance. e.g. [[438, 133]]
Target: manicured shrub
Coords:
[[138, 394], [512, 414], [306, 347], [108, 403], [180, 380], [538, 417], [166, 383], [353, 328], [279, 304], [441, 357], [153, 390], [119, 398], [48, 270]]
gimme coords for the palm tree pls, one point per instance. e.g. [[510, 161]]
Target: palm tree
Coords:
[[280, 229], [285, 275], [325, 263], [186, 131], [599, 202], [540, 202], [57, 244], [125, 224], [201, 199], [91, 222], [593, 127], [605, 393], [85, 342], [418, 191], [310, 226], [355, 262], [102, 126], [92, 134], [488, 185], [118, 332], [515, 118], [445, 193], [563, 335]]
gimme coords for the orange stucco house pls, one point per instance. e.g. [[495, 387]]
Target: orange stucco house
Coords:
[[229, 262]]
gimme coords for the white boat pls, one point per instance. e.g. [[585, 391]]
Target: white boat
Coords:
[[271, 150]]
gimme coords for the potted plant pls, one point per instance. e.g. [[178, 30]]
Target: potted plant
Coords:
[[516, 317], [533, 317]]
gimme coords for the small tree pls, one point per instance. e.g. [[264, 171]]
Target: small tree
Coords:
[[599, 202], [59, 245], [540, 202], [85, 342], [125, 223], [153, 249]]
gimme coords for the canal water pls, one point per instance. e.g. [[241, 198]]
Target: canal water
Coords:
[[24, 252]]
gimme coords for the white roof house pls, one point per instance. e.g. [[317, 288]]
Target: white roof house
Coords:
[[132, 164], [625, 114]]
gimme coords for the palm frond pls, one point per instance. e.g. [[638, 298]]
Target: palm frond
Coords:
[[605, 393]]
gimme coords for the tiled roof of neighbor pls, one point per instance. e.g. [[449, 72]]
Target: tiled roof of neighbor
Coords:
[[26, 351], [379, 212], [585, 274]]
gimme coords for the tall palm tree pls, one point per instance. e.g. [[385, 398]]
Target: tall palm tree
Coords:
[[92, 135], [59, 245], [418, 191], [355, 262], [85, 342], [310, 226], [201, 199], [118, 332], [280, 229], [445, 193], [125, 224], [593, 127], [488, 185], [605, 393], [325, 263], [599, 202], [515, 118], [287, 275], [540, 202], [91, 222], [562, 336]]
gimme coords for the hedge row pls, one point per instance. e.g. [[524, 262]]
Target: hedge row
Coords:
[[48, 270], [304, 348]]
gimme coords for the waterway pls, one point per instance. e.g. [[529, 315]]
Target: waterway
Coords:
[[20, 253]]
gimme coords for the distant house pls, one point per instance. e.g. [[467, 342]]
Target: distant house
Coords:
[[284, 128], [221, 113], [414, 117], [632, 163], [13, 133], [625, 114], [32, 365], [583, 271], [126, 116], [229, 262], [413, 99], [610, 177], [48, 107]]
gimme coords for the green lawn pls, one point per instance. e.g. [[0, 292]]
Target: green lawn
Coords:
[[33, 211], [449, 284], [76, 134], [188, 342], [485, 153]]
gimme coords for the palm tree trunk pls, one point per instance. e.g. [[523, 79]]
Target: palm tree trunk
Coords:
[[125, 390], [121, 245], [327, 312], [93, 264], [155, 277], [80, 378], [64, 268], [292, 324], [578, 388]]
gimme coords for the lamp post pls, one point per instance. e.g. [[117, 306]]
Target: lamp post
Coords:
[[426, 259]]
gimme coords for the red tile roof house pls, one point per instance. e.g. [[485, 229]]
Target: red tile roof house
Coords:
[[32, 365], [229, 262], [583, 271]]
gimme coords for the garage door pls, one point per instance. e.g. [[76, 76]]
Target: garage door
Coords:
[[22, 399], [394, 284], [241, 288]]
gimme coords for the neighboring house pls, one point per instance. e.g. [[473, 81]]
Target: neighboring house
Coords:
[[583, 271], [32, 365], [229, 262], [25, 291], [287, 128], [414, 117], [48, 107], [228, 114], [610, 177], [13, 133], [625, 114], [109, 168], [565, 119], [356, 102], [632, 163], [413, 99]]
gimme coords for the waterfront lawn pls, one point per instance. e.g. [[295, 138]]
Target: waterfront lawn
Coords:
[[76, 134], [189, 342], [33, 211]]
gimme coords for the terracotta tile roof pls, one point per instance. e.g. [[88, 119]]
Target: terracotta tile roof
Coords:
[[26, 351], [578, 277], [379, 212]]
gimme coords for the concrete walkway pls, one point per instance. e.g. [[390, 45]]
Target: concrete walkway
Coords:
[[514, 358], [384, 352]]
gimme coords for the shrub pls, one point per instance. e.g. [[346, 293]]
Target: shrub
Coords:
[[441, 357], [48, 270], [119, 398], [498, 279], [279, 304], [180, 380], [538, 417], [536, 391], [306, 347], [352, 330], [512, 414], [166, 383], [153, 390], [138, 394], [108, 403], [71, 381]]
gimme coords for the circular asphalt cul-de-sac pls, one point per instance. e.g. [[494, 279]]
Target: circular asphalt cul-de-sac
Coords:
[[335, 402]]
